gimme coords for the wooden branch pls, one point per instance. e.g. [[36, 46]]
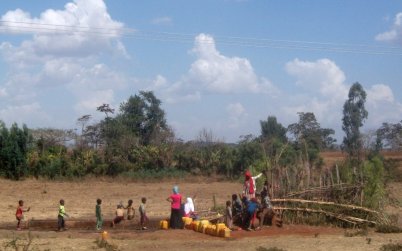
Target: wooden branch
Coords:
[[327, 203], [349, 219]]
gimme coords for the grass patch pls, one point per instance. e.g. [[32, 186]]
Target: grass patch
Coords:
[[269, 249], [391, 247], [387, 229], [142, 175]]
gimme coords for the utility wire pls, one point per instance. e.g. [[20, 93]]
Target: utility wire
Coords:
[[58, 29]]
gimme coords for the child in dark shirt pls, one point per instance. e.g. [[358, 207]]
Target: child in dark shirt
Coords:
[[98, 213]]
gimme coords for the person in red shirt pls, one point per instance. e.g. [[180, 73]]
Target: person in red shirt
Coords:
[[176, 214], [19, 214]]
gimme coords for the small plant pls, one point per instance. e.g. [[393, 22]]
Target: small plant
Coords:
[[386, 229], [106, 245], [391, 247], [269, 249], [360, 232], [15, 245]]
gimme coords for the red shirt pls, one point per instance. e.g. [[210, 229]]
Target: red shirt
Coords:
[[19, 212], [176, 201]]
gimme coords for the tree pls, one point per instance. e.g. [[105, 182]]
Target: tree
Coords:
[[272, 129], [142, 115], [390, 136], [354, 115], [13, 151], [310, 139]]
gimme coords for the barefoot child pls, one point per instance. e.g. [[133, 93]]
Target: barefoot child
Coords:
[[98, 212], [143, 214], [60, 217], [130, 210], [19, 213], [229, 215]]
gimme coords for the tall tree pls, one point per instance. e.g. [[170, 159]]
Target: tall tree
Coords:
[[272, 129], [354, 115], [143, 116]]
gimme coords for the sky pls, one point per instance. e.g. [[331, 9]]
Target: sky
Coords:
[[219, 65]]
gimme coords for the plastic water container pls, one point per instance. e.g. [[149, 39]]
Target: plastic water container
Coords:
[[187, 220], [104, 235], [219, 227], [213, 230], [202, 224], [164, 224], [225, 233], [195, 225]]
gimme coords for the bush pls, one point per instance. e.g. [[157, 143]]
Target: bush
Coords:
[[391, 247], [388, 229]]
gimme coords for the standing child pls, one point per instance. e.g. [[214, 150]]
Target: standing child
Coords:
[[98, 213], [143, 214], [60, 217], [228, 215], [252, 207], [19, 213], [130, 210]]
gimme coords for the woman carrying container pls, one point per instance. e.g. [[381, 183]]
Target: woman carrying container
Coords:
[[176, 214]]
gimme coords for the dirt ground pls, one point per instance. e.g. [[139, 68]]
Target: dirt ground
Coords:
[[80, 197]]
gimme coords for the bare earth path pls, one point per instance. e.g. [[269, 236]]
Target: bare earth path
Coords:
[[80, 199]]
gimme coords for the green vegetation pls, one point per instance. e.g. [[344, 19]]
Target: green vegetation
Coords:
[[135, 141]]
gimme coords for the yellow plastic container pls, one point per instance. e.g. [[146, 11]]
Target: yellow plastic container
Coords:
[[225, 233], [202, 224], [204, 228], [219, 227], [187, 220], [104, 235], [195, 225], [164, 224], [212, 231]]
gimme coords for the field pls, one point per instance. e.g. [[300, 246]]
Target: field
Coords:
[[43, 196]]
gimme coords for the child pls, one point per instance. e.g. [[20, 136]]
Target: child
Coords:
[[19, 213], [60, 216], [130, 210], [252, 208], [228, 215], [119, 215], [98, 212], [143, 214], [266, 205]]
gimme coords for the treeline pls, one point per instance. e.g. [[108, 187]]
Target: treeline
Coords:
[[136, 141]]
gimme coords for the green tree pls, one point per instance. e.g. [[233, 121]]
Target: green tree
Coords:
[[354, 115], [142, 115], [13, 151], [271, 129]]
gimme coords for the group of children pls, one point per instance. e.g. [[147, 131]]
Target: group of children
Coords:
[[120, 211], [243, 212]]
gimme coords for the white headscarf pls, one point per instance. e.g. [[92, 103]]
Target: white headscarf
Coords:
[[189, 206]]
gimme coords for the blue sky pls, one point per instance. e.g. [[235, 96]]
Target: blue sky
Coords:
[[222, 65]]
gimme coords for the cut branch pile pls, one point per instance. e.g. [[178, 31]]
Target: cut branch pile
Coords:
[[348, 215]]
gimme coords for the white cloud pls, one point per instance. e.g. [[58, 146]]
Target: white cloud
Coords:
[[382, 106], [20, 114], [326, 92], [63, 53], [214, 73], [393, 35], [82, 28], [162, 21], [237, 114], [322, 76]]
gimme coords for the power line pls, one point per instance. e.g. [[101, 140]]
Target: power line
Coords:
[[58, 29]]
